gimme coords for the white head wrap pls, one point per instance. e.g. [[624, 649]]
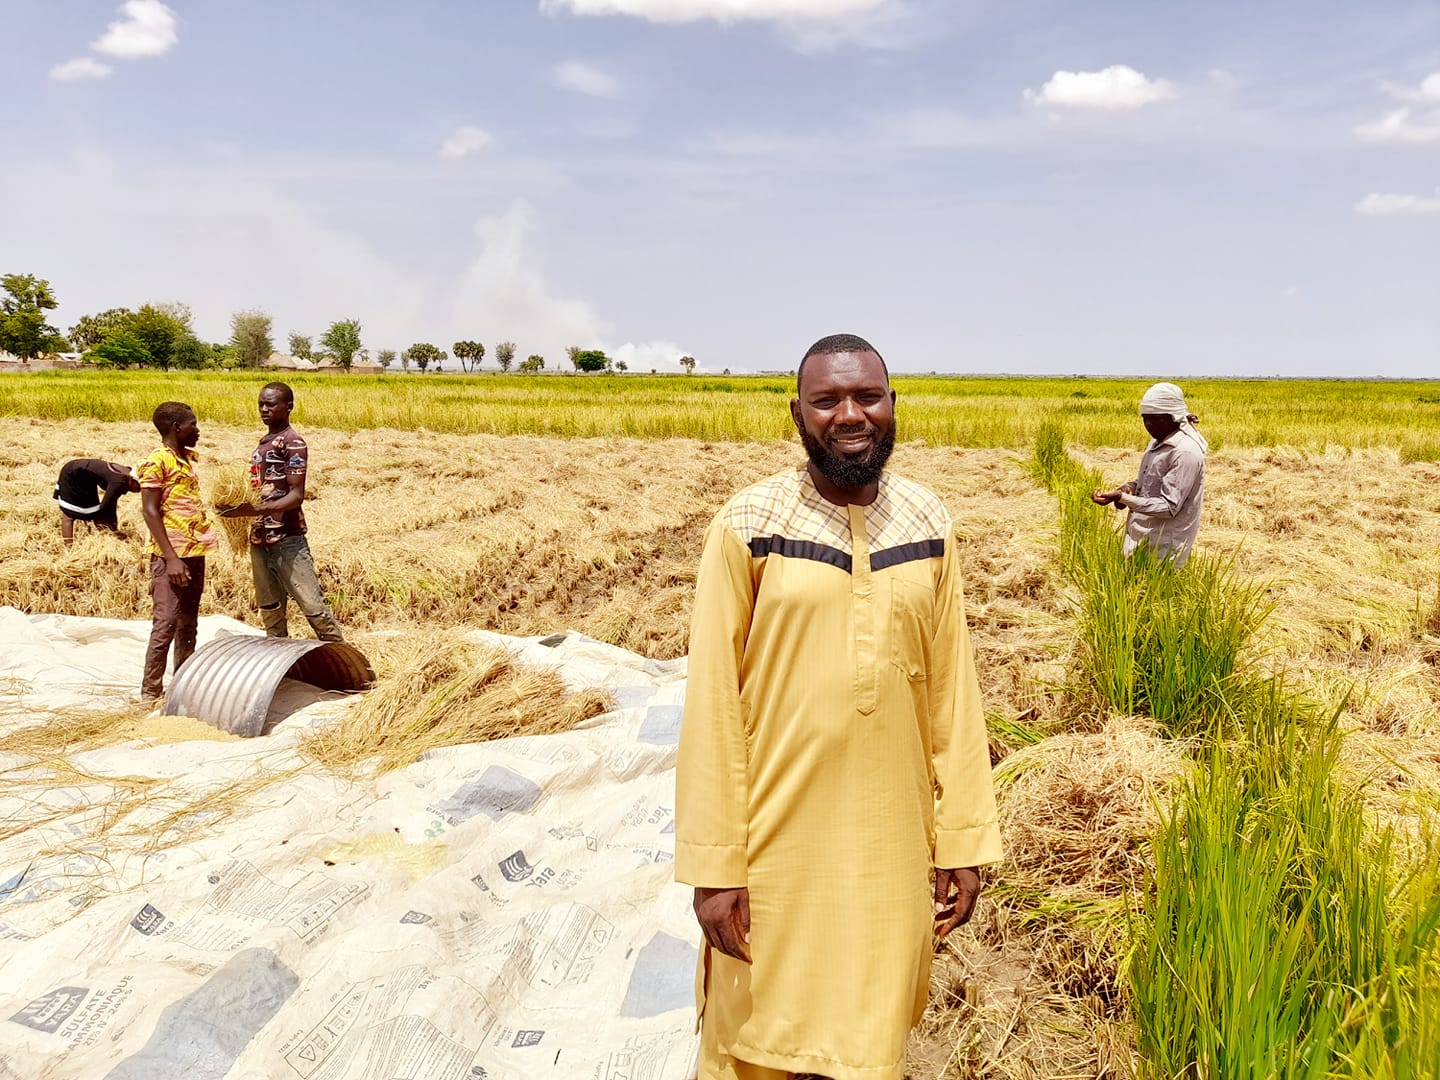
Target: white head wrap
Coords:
[[1167, 399]]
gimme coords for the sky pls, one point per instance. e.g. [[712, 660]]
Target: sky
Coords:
[[1124, 187]]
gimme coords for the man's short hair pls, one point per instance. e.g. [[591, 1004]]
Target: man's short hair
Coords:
[[169, 415], [838, 343], [284, 388]]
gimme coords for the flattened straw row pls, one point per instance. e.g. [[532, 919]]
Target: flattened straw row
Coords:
[[67, 730], [448, 692]]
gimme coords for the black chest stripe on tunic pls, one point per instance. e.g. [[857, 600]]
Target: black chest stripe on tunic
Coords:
[[799, 549], [920, 549], [762, 546]]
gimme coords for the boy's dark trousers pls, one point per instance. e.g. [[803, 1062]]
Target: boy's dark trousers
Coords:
[[176, 615]]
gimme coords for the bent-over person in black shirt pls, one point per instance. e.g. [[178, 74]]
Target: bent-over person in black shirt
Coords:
[[89, 490]]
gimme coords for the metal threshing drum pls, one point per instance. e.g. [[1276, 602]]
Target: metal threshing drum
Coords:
[[229, 682]]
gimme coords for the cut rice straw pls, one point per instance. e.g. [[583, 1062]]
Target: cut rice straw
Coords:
[[448, 692], [62, 731], [231, 487]]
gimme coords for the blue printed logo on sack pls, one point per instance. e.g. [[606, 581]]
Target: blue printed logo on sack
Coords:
[[48, 1012], [515, 867]]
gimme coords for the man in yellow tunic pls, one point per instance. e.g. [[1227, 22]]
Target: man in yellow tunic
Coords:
[[833, 749]]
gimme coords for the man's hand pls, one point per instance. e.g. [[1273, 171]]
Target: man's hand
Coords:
[[243, 510], [1109, 498], [724, 916], [951, 912], [177, 572]]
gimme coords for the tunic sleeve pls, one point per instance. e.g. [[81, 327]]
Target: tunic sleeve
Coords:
[[967, 829], [1176, 487], [712, 788]]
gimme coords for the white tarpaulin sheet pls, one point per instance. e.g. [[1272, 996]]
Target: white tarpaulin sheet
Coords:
[[501, 911]]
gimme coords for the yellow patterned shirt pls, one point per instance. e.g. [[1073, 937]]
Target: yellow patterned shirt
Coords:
[[187, 523]]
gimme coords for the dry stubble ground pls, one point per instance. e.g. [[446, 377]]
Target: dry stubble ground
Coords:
[[525, 535]]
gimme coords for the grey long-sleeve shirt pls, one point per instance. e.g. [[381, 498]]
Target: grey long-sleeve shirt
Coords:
[[1165, 506]]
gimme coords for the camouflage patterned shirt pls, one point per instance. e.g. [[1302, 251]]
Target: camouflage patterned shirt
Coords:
[[278, 460]]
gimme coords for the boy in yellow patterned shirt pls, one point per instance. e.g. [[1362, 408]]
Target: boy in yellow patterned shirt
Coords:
[[182, 533]]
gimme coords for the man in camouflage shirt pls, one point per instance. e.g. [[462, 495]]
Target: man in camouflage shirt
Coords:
[[279, 553]]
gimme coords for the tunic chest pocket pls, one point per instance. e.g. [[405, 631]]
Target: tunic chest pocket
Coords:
[[912, 626]]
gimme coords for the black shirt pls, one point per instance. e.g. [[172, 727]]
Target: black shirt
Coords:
[[80, 486]]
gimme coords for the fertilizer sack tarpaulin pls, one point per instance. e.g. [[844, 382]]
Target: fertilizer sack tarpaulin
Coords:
[[503, 910]]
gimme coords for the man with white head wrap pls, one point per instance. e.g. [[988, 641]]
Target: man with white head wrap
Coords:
[[1164, 500]]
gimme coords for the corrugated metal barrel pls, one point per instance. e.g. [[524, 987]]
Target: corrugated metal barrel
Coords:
[[229, 682]]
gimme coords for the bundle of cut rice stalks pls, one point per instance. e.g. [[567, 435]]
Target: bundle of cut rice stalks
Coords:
[[447, 690], [231, 487], [59, 732]]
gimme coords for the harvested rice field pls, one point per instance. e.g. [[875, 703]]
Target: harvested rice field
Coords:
[[417, 532]]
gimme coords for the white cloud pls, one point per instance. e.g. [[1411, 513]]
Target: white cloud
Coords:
[[329, 272], [334, 268], [659, 356], [1417, 121], [147, 28], [503, 293], [1116, 87], [83, 67], [464, 141], [810, 26], [1386, 205], [584, 79], [1402, 125], [894, 26], [1428, 90], [724, 11]]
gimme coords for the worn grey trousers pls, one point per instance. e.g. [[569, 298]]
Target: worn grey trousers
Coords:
[[283, 571]]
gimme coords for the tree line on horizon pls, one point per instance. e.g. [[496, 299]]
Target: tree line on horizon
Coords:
[[162, 335]]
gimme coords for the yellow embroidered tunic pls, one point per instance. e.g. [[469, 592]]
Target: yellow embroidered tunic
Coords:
[[833, 749]]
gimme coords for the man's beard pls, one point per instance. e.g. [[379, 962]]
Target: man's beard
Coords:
[[849, 473]]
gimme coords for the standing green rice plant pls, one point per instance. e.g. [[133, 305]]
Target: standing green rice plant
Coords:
[[1165, 642], [1049, 463], [1194, 625], [1153, 639], [1084, 533], [944, 411], [1281, 935]]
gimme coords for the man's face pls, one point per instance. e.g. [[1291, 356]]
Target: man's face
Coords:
[[187, 432], [845, 415], [1159, 425], [274, 408]]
